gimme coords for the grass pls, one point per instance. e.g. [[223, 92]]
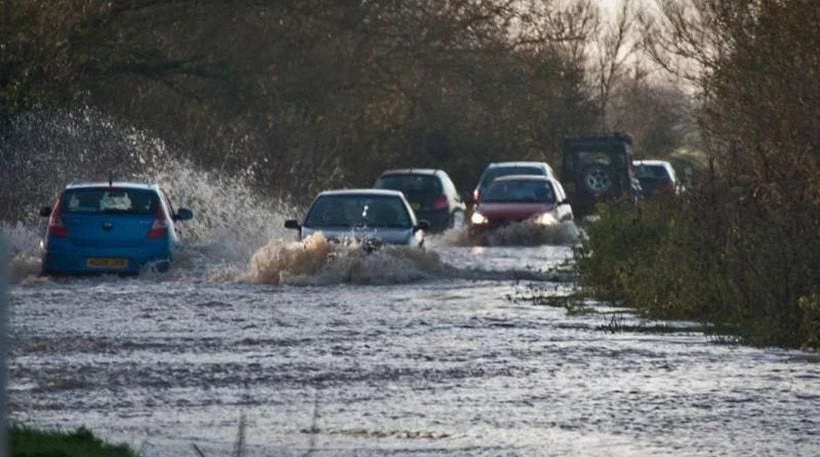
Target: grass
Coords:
[[615, 321], [27, 442], [536, 295]]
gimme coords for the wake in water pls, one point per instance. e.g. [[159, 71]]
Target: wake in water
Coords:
[[519, 234], [315, 260]]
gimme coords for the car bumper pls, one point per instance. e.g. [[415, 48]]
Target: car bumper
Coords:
[[82, 261], [402, 237]]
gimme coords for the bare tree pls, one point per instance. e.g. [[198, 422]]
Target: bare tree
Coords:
[[616, 42]]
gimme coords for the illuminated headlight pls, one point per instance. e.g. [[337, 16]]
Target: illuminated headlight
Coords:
[[546, 219], [478, 219]]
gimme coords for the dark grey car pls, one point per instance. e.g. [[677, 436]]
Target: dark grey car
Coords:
[[431, 194]]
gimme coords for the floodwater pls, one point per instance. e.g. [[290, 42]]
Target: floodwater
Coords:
[[308, 349]]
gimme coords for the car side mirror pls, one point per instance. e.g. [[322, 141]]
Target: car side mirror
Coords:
[[423, 225], [45, 211], [292, 224], [183, 214]]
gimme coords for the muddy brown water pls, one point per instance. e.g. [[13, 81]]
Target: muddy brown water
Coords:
[[331, 353]]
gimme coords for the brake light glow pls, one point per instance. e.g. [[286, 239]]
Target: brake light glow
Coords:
[[55, 222], [440, 202], [159, 228]]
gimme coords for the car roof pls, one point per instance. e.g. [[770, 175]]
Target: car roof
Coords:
[[119, 184], [614, 137], [519, 164], [411, 171], [361, 192], [661, 163], [522, 178]]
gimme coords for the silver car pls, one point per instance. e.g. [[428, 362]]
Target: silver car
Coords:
[[372, 217]]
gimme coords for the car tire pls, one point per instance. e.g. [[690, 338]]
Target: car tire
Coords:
[[597, 179], [456, 220]]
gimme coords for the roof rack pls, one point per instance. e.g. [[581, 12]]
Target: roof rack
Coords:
[[622, 136]]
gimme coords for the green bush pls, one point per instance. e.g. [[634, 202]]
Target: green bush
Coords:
[[26, 442], [701, 258]]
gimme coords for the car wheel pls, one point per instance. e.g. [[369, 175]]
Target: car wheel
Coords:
[[597, 179], [456, 220]]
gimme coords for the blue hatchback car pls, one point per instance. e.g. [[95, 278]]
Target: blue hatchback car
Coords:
[[113, 227]]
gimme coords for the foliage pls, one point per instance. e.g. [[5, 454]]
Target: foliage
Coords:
[[26, 442], [741, 249], [310, 94], [676, 258]]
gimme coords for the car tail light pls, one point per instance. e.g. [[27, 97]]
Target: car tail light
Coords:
[[440, 203], [159, 228], [668, 187], [55, 222]]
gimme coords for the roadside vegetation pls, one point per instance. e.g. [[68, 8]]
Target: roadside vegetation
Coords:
[[741, 249], [26, 442], [297, 96]]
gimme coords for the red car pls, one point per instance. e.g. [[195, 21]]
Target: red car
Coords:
[[539, 200]]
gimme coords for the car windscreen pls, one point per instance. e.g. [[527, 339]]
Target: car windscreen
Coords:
[[344, 211], [410, 183], [519, 191], [496, 172], [109, 200], [594, 157]]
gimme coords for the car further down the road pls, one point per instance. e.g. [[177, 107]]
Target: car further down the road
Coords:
[[538, 200], [498, 169], [431, 193], [657, 177], [372, 217]]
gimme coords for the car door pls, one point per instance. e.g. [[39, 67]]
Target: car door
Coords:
[[564, 210]]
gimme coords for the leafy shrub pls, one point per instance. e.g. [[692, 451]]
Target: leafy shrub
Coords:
[[703, 258]]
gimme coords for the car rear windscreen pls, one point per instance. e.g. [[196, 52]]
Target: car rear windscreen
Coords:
[[410, 183], [651, 172], [109, 200], [493, 173]]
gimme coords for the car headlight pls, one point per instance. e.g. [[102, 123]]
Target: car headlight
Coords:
[[478, 218], [546, 219]]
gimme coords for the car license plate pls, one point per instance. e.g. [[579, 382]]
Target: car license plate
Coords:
[[106, 262]]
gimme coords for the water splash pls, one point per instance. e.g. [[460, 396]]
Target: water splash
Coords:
[[230, 221], [518, 234], [24, 245], [279, 261], [317, 261], [49, 149]]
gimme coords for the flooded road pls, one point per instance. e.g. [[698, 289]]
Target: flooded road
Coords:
[[438, 354]]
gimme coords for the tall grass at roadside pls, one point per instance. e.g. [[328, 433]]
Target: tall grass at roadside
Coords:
[[704, 258]]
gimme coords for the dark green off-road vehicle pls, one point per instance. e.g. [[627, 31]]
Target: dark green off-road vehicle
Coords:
[[598, 168]]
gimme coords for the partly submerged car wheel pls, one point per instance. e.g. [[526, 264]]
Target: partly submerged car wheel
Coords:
[[456, 220], [597, 179]]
